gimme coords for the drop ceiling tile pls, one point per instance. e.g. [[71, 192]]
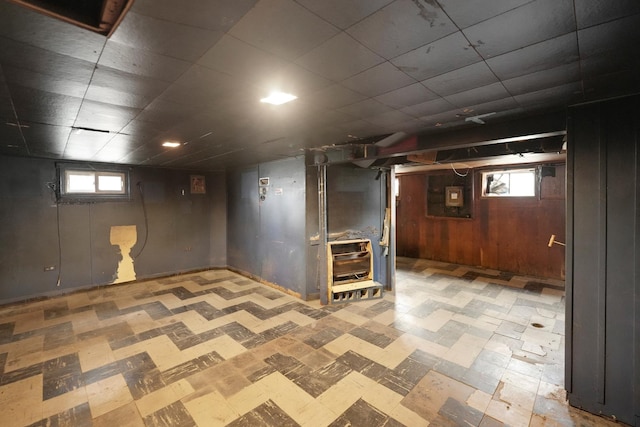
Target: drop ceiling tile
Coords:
[[499, 107], [62, 67], [354, 129], [166, 114], [34, 29], [204, 78], [195, 130], [594, 12], [402, 26], [429, 108], [334, 96], [292, 79], [6, 105], [106, 117], [37, 106], [479, 95], [540, 56], [79, 153], [465, 78], [116, 97], [11, 142], [46, 140], [618, 83], [283, 28], [539, 80], [109, 155], [143, 154], [470, 12], [192, 97], [529, 24], [164, 37], [362, 109], [608, 62], [142, 130], [410, 127], [552, 97], [343, 13], [141, 62], [123, 142], [389, 119], [332, 117], [443, 120], [219, 15], [127, 82], [204, 87], [85, 144], [44, 82], [339, 58], [439, 57], [378, 80], [183, 158], [615, 35], [409, 95], [241, 60]]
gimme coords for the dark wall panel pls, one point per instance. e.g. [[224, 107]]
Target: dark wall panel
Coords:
[[282, 240], [312, 227], [356, 200], [180, 225], [243, 218], [266, 238], [603, 287]]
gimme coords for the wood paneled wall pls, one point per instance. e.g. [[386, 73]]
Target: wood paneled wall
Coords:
[[507, 234]]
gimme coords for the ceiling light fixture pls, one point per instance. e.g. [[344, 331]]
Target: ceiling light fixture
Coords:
[[278, 98], [171, 144]]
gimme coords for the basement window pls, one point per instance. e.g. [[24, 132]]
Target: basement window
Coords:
[[93, 184], [509, 183]]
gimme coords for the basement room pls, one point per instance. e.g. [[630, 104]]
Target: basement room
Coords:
[[319, 213]]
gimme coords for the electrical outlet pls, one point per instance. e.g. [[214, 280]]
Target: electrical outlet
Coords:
[[187, 249], [49, 268]]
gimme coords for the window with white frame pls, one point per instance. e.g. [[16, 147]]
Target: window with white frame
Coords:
[[93, 183], [509, 183]]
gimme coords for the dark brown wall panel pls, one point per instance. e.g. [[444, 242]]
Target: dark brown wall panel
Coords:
[[508, 234]]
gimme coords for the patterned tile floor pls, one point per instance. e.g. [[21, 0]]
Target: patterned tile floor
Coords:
[[453, 346]]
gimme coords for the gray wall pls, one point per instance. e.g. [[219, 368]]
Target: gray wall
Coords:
[[312, 218], [186, 232], [356, 201], [603, 251], [274, 239], [266, 239]]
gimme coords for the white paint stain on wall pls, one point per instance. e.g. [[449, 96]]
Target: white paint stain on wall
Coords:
[[124, 236]]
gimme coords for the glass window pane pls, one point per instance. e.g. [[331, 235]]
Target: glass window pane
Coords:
[[110, 183], [515, 183], [499, 184], [80, 182], [523, 184]]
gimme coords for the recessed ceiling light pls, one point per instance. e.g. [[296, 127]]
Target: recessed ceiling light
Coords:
[[277, 98], [171, 144]]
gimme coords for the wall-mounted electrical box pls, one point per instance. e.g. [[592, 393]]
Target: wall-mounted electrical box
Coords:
[[454, 196]]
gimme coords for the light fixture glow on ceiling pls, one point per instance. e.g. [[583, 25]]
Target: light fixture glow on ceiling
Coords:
[[171, 144], [277, 98]]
